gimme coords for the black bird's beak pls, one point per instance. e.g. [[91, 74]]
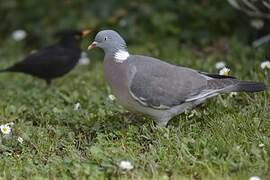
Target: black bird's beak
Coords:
[[86, 32], [93, 45]]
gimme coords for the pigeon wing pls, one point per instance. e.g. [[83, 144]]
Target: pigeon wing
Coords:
[[160, 85]]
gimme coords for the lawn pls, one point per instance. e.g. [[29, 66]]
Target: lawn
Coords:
[[225, 138]]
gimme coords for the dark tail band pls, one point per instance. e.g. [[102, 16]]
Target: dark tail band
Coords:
[[250, 86]]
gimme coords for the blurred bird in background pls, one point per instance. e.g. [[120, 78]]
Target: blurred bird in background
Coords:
[[53, 61]]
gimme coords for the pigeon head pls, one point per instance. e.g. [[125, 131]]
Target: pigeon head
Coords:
[[110, 41]]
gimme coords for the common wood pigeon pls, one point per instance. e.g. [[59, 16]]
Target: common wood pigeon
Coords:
[[153, 87]]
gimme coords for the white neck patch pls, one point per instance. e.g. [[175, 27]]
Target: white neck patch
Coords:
[[121, 55]]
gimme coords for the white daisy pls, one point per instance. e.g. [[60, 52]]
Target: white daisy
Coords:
[[224, 71], [254, 178], [77, 106], [125, 165], [19, 35], [220, 65], [5, 129], [111, 97], [84, 60], [265, 65]]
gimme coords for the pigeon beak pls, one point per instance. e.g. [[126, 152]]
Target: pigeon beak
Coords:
[[86, 32], [93, 45]]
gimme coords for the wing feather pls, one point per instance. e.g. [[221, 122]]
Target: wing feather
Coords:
[[160, 85]]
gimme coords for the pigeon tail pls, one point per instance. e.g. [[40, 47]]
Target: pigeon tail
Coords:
[[249, 86], [231, 84]]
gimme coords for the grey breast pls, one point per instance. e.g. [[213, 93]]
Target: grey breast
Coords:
[[116, 74]]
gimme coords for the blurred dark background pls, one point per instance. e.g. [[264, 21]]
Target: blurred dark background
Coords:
[[196, 23]]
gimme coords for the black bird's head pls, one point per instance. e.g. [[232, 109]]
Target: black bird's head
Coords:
[[72, 35]]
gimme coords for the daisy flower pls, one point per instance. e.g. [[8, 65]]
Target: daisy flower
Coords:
[[254, 178], [84, 60], [5, 129], [224, 71], [77, 106], [220, 65], [125, 165], [265, 65], [19, 35]]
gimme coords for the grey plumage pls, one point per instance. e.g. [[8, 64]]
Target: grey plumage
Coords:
[[156, 88]]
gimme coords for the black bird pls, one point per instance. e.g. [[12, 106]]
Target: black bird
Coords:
[[53, 61]]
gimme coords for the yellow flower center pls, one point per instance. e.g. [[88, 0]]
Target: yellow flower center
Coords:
[[5, 130]]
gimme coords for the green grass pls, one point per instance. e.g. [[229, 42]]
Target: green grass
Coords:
[[220, 141]]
